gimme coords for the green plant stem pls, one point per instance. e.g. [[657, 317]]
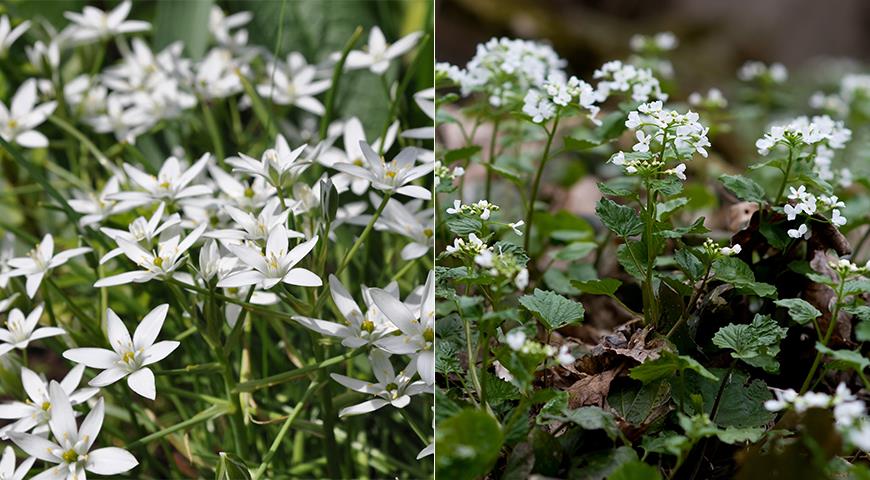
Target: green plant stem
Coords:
[[413, 423], [472, 362], [298, 373], [785, 176], [213, 131], [536, 183], [831, 324], [692, 301], [273, 449], [210, 413], [650, 307], [362, 237], [492, 143]]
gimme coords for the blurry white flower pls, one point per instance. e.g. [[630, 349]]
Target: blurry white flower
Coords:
[[515, 339], [8, 35], [797, 232], [378, 53], [95, 24], [410, 220], [284, 86], [40, 261], [71, 450], [7, 464], [20, 331], [129, 357], [42, 56], [18, 122], [564, 356]]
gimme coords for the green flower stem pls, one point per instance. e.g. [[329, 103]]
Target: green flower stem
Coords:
[[472, 362], [650, 306], [413, 423], [83, 139], [692, 301], [213, 131], [273, 449], [210, 413], [336, 78], [530, 210], [831, 324], [211, 367], [785, 176], [492, 143], [363, 236], [296, 374]]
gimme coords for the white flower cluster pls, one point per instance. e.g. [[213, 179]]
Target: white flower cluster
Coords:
[[503, 67], [850, 413], [444, 173], [853, 87], [806, 203], [679, 133], [660, 42], [542, 105], [845, 268], [758, 71], [639, 83], [482, 209], [517, 340], [713, 250], [713, 99], [821, 132]]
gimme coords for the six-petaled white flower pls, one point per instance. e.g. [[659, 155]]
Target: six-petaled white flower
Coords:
[[129, 357], [390, 389], [40, 262], [71, 448]]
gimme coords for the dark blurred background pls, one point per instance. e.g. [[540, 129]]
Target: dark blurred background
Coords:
[[716, 36]]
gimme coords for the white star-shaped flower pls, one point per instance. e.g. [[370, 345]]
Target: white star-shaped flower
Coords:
[[40, 262], [378, 53], [71, 448], [129, 357], [390, 389]]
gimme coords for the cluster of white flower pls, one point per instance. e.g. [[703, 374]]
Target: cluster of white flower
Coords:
[[660, 42], [845, 268], [557, 93], [850, 413], [482, 209], [821, 132], [444, 173], [240, 222], [713, 100], [713, 250], [758, 71], [681, 134], [806, 203], [503, 67], [517, 340], [640, 83], [854, 87]]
